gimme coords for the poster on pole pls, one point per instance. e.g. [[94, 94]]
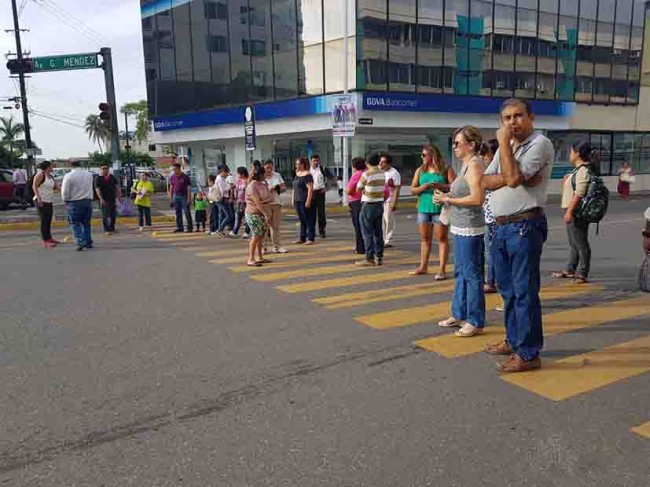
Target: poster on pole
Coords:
[[344, 116], [249, 128]]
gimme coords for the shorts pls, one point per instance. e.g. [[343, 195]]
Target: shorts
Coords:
[[257, 224], [428, 218]]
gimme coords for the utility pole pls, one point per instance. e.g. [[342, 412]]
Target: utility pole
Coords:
[[345, 91], [23, 90], [107, 66]]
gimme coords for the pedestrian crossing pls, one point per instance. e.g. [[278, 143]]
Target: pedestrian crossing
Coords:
[[389, 298]]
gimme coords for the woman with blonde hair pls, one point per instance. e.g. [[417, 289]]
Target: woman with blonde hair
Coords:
[[465, 199], [433, 174]]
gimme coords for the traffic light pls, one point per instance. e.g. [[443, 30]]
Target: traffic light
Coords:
[[105, 111], [14, 66]]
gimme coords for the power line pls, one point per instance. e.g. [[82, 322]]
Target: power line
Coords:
[[55, 119], [67, 19], [22, 7]]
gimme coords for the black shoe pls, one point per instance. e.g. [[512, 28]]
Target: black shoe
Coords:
[[388, 246], [322, 235], [89, 246], [379, 261], [189, 230], [80, 248], [178, 230]]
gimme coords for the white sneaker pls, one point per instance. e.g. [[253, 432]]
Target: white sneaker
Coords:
[[207, 232], [142, 229], [281, 250], [232, 234], [468, 330], [450, 323]]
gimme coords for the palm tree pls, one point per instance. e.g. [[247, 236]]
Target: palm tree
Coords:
[[97, 129], [9, 132]]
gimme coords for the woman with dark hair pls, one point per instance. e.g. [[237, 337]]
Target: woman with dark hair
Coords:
[[301, 199], [354, 202], [431, 175], [257, 199], [575, 187], [43, 187], [487, 152], [240, 202]]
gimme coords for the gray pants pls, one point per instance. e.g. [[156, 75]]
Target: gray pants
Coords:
[[580, 253]]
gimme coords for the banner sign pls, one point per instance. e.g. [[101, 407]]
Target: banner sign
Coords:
[[249, 128], [344, 115]]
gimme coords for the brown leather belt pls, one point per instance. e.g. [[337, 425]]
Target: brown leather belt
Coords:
[[519, 217]]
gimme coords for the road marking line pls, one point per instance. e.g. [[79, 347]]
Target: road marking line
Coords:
[[340, 298], [554, 324], [643, 430], [301, 251], [569, 377], [281, 260], [363, 278], [435, 312], [282, 264], [322, 271], [426, 291]]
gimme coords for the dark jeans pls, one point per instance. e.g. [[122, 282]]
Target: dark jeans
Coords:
[[181, 206], [307, 217], [372, 221], [109, 215], [200, 217], [144, 216], [45, 212], [580, 253], [517, 252], [355, 213], [489, 262], [80, 214], [239, 219], [469, 263], [214, 217], [226, 216], [318, 202]]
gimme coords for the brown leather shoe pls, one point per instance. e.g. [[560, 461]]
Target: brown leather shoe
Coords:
[[500, 348], [517, 364]]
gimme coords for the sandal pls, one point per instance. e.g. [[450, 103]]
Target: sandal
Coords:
[[253, 264], [579, 280], [450, 323], [468, 330], [440, 277], [562, 275], [263, 261], [418, 272]]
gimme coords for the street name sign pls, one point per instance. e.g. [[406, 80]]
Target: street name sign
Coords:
[[66, 62]]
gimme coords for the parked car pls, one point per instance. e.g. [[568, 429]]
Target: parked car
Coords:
[[58, 173], [6, 189], [156, 177]]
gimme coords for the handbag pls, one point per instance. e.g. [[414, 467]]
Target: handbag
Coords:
[[125, 207]]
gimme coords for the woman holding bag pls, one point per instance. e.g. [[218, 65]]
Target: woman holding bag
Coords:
[[142, 190], [44, 187]]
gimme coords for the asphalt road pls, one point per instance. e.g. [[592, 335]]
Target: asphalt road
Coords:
[[143, 363]]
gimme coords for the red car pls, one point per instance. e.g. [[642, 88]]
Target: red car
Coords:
[[7, 190]]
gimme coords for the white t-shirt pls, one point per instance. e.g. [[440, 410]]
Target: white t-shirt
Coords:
[[272, 182], [319, 179], [393, 179], [223, 185]]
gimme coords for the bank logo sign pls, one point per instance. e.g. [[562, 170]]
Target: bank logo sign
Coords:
[[249, 129]]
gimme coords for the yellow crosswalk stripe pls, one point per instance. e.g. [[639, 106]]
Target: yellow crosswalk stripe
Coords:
[[294, 251], [436, 312], [643, 430], [282, 260], [340, 298], [367, 277], [569, 377], [413, 292], [323, 271], [554, 324], [307, 261]]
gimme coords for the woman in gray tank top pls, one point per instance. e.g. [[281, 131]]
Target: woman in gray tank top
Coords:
[[465, 199]]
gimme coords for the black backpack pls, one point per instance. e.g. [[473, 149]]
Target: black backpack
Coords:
[[593, 206]]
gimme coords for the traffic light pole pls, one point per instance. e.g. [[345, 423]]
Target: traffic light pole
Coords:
[[107, 66], [23, 90]]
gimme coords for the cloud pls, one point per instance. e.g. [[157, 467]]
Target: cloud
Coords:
[[72, 95]]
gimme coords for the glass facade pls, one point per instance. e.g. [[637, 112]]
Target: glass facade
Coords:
[[203, 54]]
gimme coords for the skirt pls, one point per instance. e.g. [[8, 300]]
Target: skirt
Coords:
[[257, 224]]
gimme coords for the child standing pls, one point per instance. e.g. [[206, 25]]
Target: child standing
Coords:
[[339, 184], [200, 210], [240, 202]]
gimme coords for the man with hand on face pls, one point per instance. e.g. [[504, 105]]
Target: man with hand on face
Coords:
[[320, 190], [518, 178]]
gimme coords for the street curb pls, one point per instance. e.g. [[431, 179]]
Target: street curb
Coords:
[[35, 225]]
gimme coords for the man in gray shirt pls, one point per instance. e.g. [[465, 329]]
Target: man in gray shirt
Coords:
[[518, 177]]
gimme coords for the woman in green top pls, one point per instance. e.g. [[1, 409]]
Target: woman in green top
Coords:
[[431, 175], [143, 189]]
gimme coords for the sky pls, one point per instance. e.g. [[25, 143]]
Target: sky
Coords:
[[68, 27]]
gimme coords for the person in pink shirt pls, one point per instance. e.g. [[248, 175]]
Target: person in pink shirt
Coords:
[[354, 202]]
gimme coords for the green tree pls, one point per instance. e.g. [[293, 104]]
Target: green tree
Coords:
[[141, 112], [9, 133], [98, 130]]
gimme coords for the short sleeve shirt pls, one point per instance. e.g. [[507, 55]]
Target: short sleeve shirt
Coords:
[[180, 185], [354, 180], [274, 181], [393, 179], [300, 187], [535, 155], [106, 186], [318, 177]]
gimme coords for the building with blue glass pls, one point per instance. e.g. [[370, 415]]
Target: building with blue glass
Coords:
[[417, 69]]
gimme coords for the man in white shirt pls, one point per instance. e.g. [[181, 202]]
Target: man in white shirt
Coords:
[[20, 183], [320, 189], [226, 214], [77, 193], [393, 185], [276, 187]]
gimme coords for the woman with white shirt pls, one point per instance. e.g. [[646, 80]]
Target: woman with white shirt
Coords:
[[44, 187]]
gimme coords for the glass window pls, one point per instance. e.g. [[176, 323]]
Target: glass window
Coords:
[[201, 62], [621, 51], [373, 49], [185, 93], [602, 51], [633, 148], [215, 10], [526, 49], [636, 48], [457, 17], [503, 63], [567, 50], [431, 35], [402, 44], [241, 86], [261, 50], [335, 45], [310, 48], [480, 56], [285, 45], [216, 43]]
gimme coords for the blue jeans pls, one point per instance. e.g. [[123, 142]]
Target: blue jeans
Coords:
[[517, 252], [214, 217], [469, 300], [226, 216], [372, 221], [80, 214], [307, 217], [240, 220], [489, 262], [181, 205]]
